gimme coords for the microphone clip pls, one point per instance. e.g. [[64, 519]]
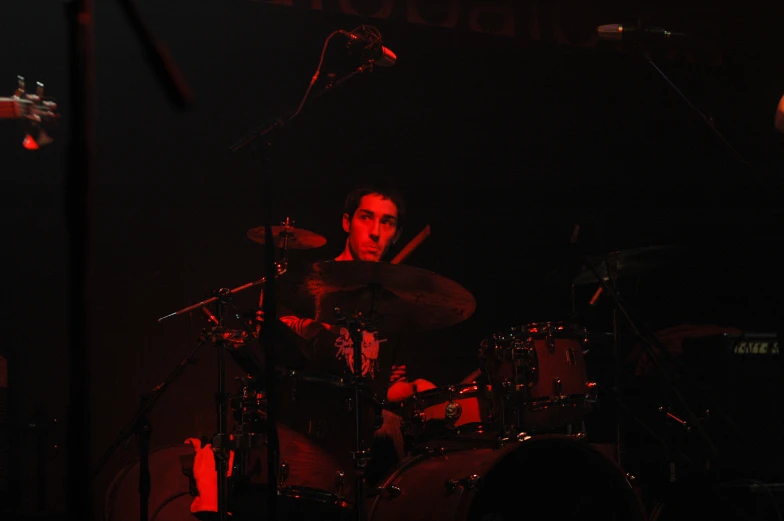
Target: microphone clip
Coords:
[[366, 42]]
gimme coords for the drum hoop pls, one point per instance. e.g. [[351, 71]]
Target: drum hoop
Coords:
[[313, 494], [563, 328], [322, 378], [402, 467], [527, 444], [458, 393]]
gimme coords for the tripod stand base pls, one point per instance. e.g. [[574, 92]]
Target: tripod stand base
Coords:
[[170, 498]]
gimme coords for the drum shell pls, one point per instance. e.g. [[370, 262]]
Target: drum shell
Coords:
[[317, 434], [559, 476], [539, 375], [425, 415], [321, 408]]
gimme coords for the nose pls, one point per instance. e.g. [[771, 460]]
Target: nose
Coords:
[[375, 230]]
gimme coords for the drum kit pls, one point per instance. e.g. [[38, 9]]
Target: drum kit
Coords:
[[474, 449]]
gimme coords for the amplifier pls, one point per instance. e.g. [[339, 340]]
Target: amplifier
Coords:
[[738, 379]]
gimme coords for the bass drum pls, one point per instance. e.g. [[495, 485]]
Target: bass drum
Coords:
[[548, 477], [170, 493]]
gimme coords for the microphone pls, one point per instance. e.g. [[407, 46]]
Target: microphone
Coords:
[[617, 32], [372, 49]]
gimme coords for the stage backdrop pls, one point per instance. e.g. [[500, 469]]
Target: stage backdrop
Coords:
[[504, 127]]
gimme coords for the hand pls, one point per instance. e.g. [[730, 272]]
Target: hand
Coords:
[[256, 324], [398, 374], [403, 390]]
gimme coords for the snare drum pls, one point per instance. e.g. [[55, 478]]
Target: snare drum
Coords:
[[457, 409], [539, 376], [562, 477]]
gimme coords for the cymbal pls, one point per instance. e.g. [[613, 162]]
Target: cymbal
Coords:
[[625, 263], [403, 296], [298, 239]]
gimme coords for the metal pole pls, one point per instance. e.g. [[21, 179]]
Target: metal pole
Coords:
[[78, 193]]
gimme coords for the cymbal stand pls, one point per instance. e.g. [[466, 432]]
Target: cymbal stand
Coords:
[[261, 139], [611, 267], [221, 443], [361, 455], [650, 344]]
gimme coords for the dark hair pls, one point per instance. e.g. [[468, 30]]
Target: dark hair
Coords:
[[356, 195]]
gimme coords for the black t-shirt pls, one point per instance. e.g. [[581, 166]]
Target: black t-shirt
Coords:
[[331, 352], [334, 350]]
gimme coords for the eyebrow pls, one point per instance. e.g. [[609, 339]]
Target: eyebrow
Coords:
[[371, 214]]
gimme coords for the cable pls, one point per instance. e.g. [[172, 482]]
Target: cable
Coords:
[[368, 34], [316, 74]]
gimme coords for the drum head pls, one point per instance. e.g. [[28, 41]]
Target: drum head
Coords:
[[565, 478], [548, 477]]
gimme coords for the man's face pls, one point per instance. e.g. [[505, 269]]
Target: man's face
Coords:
[[372, 229]]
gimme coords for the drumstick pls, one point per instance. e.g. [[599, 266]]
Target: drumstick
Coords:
[[596, 296], [471, 377], [416, 241]]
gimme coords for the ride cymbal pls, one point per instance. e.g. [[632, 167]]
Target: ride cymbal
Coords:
[[407, 296]]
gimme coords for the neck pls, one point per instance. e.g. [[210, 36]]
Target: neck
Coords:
[[347, 254]]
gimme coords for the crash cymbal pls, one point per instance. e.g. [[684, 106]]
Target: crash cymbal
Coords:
[[298, 239], [403, 296], [625, 263]]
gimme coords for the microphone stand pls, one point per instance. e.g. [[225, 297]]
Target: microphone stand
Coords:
[[261, 138], [78, 202], [140, 426]]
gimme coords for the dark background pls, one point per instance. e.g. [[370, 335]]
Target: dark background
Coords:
[[501, 144]]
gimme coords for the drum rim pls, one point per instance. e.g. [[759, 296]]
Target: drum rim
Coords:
[[544, 327], [322, 378], [458, 388]]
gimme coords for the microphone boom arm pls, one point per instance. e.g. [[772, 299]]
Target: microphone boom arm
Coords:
[[282, 121], [704, 118]]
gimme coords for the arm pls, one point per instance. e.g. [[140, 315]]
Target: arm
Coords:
[[305, 327], [401, 389]]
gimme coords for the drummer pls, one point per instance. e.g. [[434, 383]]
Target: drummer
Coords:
[[373, 218]]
